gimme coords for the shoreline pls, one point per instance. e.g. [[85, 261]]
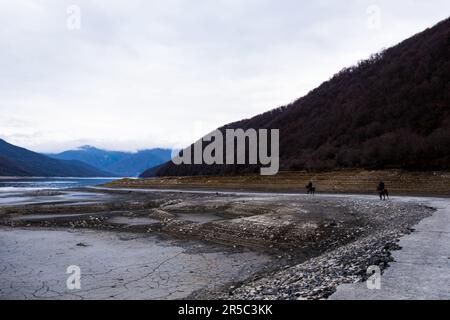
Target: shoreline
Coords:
[[248, 192], [435, 183]]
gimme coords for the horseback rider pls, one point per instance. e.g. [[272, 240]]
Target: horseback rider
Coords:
[[310, 188], [384, 193]]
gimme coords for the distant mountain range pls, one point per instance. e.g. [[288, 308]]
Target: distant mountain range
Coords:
[[123, 164], [390, 111], [16, 161]]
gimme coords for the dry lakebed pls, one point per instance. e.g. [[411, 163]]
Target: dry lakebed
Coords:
[[188, 244]]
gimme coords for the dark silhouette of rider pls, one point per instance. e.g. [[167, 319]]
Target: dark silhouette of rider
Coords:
[[381, 186], [310, 185]]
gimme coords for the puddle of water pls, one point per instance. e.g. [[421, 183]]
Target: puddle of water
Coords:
[[50, 216], [131, 221], [12, 199], [25, 199]]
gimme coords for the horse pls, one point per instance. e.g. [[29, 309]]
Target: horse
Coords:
[[311, 190], [383, 194]]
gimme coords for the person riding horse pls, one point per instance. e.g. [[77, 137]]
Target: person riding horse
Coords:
[[310, 188], [382, 191]]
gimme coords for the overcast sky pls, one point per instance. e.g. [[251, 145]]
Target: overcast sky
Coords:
[[137, 74]]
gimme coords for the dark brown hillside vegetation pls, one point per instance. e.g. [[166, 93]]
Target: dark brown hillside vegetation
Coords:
[[390, 111]]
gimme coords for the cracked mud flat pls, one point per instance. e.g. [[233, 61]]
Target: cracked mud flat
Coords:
[[147, 244], [126, 266]]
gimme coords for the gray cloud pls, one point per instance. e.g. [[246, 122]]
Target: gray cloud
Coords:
[[161, 73]]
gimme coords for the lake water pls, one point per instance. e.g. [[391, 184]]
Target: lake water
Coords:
[[20, 191], [16, 185]]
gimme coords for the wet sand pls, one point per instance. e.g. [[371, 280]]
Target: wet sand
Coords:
[[48, 197]]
